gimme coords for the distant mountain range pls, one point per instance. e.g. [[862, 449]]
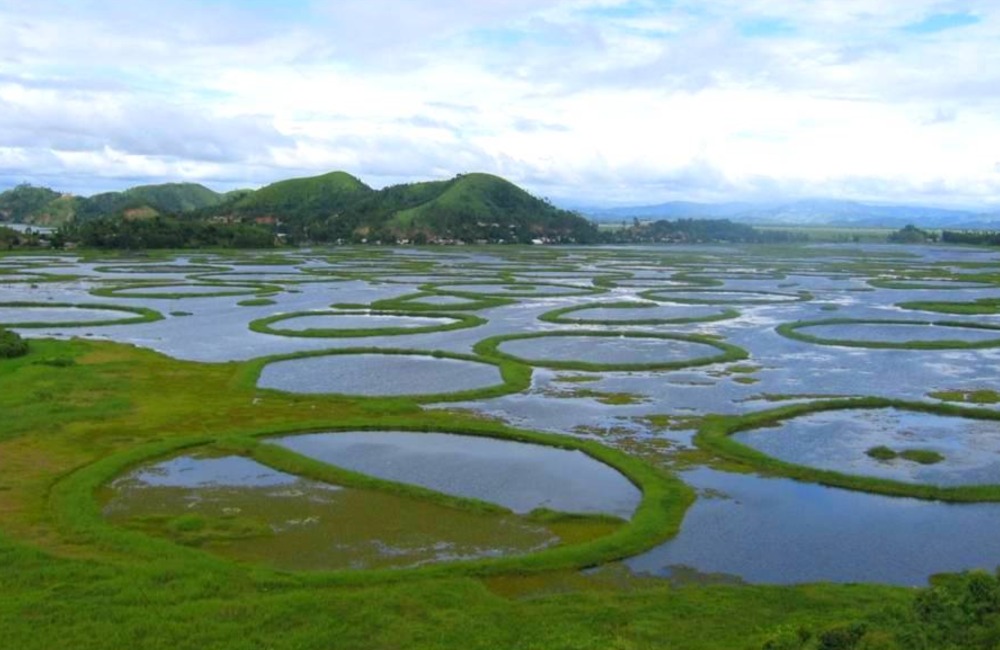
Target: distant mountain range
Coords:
[[807, 212], [330, 207], [469, 207]]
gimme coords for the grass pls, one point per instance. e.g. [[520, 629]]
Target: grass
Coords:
[[766, 297], [411, 302], [138, 315], [225, 290], [256, 302], [792, 331], [716, 431], [981, 307], [881, 452], [511, 289], [68, 579], [458, 321], [561, 315], [489, 348], [976, 396], [922, 456], [515, 376]]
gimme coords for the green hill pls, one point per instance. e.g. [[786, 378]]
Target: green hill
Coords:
[[303, 198], [36, 205], [486, 207], [469, 207], [166, 198], [328, 208]]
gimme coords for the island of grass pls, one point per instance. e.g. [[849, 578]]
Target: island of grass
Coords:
[[448, 322], [177, 291], [725, 352], [562, 315], [514, 375], [470, 289], [125, 315], [724, 296], [429, 301], [980, 307], [973, 396], [794, 331], [921, 456], [715, 435]]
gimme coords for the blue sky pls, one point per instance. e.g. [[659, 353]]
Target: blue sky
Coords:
[[598, 102]]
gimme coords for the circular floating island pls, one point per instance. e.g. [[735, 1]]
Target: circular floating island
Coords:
[[494, 289], [330, 324], [243, 277], [161, 268], [725, 296], [930, 284], [611, 351], [870, 444], [894, 334], [64, 314], [176, 291], [245, 510], [319, 501], [422, 376], [637, 313]]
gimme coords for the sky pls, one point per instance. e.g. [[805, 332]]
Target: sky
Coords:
[[585, 102]]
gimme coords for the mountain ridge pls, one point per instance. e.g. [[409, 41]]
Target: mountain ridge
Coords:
[[805, 212], [330, 207]]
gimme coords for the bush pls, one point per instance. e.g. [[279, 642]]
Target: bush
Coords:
[[11, 345]]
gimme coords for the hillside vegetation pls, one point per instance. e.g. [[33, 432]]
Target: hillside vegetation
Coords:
[[45, 207], [333, 207]]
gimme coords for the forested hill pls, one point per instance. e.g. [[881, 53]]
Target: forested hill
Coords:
[[469, 208], [333, 207], [46, 207]]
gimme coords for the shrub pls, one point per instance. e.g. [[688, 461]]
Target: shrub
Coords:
[[11, 344]]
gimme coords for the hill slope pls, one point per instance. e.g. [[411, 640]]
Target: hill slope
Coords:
[[330, 207], [324, 195]]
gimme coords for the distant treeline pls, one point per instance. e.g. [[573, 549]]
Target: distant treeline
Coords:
[[978, 237], [699, 231], [164, 232]]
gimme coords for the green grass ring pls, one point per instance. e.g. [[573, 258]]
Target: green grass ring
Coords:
[[665, 499], [225, 290], [411, 303], [187, 269], [515, 375], [767, 297], [240, 277], [792, 331], [266, 325], [443, 288], [923, 284], [561, 315], [716, 431], [490, 348], [980, 307], [136, 315]]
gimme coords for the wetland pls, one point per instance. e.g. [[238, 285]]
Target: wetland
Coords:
[[580, 428]]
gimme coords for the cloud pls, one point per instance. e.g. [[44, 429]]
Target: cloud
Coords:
[[935, 23], [618, 100]]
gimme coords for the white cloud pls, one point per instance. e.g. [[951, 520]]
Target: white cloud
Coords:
[[599, 100]]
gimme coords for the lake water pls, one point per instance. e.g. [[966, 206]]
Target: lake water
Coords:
[[377, 375], [517, 475]]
